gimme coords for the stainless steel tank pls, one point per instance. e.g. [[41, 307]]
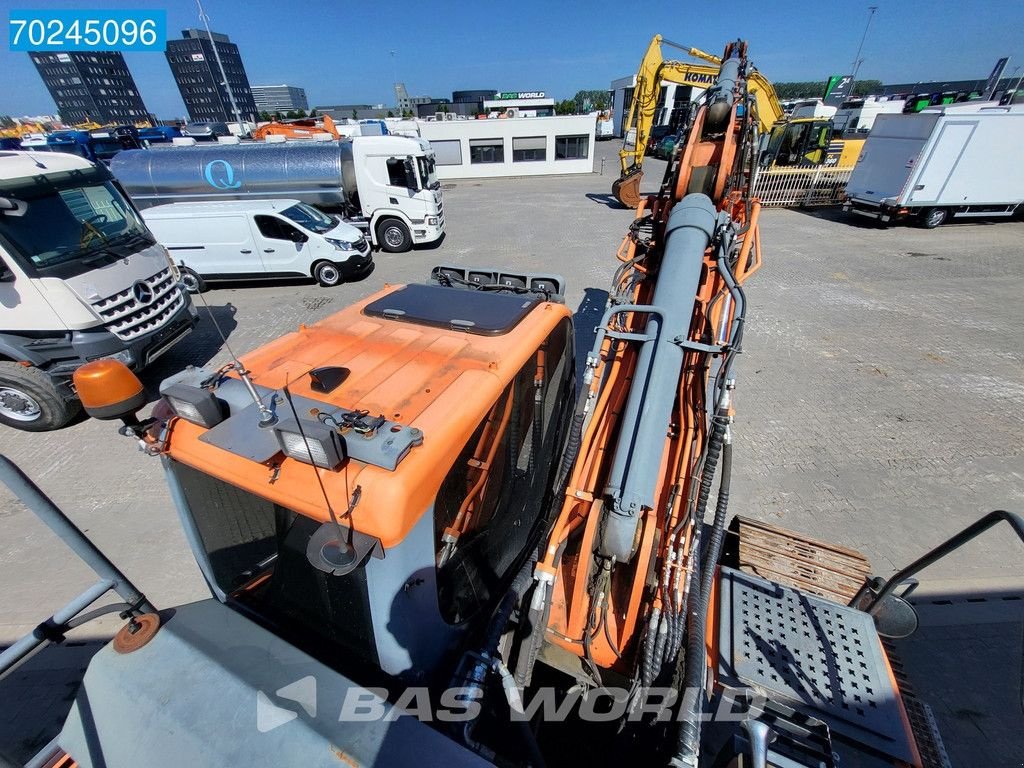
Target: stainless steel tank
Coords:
[[320, 173]]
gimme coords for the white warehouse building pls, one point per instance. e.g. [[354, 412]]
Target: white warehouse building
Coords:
[[673, 96], [527, 146]]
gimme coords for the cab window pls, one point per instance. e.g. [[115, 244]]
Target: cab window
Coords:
[[396, 172], [491, 504]]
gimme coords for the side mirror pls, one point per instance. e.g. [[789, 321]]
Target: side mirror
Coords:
[[9, 206], [298, 237], [6, 275]]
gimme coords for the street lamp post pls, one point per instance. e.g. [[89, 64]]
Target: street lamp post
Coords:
[[220, 65]]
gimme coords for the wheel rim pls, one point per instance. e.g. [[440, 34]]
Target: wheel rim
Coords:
[[328, 274], [394, 236], [18, 405], [936, 217]]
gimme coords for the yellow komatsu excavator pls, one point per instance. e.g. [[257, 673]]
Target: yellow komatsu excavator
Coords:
[[655, 70]]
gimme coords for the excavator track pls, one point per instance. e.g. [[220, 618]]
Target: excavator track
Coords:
[[835, 573]]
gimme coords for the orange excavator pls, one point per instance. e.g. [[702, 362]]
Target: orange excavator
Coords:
[[424, 545], [304, 128]]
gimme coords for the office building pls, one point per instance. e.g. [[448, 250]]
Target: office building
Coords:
[[193, 63], [279, 98], [516, 146], [91, 87]]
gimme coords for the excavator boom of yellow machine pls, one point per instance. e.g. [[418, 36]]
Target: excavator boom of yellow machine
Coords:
[[655, 71]]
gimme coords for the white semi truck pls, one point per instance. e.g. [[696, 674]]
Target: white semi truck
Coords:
[[385, 185], [81, 278], [957, 160]]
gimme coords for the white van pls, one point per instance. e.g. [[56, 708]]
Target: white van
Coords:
[[253, 239]]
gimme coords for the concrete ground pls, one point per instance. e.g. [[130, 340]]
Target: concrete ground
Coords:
[[880, 404]]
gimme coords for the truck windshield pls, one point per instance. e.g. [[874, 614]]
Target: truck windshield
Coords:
[[428, 172], [309, 217], [69, 228], [105, 149]]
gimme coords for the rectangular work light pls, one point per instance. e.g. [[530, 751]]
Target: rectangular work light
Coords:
[[315, 444], [195, 404]]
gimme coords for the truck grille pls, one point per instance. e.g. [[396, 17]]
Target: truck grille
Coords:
[[128, 318]]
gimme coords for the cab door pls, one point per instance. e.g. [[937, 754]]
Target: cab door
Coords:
[[284, 249]]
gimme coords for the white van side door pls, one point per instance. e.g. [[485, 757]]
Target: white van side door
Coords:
[[212, 246], [284, 248]]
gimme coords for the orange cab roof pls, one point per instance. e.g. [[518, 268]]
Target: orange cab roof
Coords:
[[441, 381]]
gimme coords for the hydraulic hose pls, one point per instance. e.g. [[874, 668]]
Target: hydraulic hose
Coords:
[[693, 676]]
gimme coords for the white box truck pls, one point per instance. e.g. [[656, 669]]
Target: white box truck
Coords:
[[956, 160], [81, 278], [385, 185], [257, 239]]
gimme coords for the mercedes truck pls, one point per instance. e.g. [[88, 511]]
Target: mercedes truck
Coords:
[[81, 278]]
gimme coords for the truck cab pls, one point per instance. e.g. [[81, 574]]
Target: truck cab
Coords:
[[399, 192], [81, 278]]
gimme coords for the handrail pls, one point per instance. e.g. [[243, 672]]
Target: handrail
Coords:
[[948, 546], [53, 628]]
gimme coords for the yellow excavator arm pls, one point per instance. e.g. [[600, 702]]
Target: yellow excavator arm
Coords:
[[654, 72]]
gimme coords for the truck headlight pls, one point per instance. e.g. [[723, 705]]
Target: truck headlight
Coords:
[[432, 221], [124, 356], [313, 443], [194, 404], [341, 245]]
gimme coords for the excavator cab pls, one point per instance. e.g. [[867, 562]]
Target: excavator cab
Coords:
[[398, 486], [798, 143]]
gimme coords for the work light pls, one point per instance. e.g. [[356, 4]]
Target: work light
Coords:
[[196, 405], [315, 443]]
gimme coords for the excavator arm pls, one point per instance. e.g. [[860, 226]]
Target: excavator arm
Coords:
[[654, 72]]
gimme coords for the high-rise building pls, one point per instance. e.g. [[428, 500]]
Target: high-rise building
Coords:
[[407, 102], [194, 66], [91, 87], [279, 98]]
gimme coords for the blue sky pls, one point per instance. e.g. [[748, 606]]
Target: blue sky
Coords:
[[340, 52]]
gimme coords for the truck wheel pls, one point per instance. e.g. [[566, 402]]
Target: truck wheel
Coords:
[[327, 273], [30, 401], [193, 283], [932, 217], [393, 236]]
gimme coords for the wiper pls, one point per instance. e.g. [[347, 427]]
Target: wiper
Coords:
[[101, 255]]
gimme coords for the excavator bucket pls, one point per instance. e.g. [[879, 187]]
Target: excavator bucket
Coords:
[[626, 188]]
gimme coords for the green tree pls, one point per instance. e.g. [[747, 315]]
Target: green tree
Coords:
[[587, 101], [355, 114], [390, 113], [300, 113], [312, 113], [265, 116], [867, 87], [566, 107]]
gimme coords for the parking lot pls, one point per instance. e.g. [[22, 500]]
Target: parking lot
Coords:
[[880, 404]]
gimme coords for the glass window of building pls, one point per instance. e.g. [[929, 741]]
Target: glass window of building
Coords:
[[529, 148], [486, 151], [572, 147]]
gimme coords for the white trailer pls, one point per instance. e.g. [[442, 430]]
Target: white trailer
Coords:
[[955, 160]]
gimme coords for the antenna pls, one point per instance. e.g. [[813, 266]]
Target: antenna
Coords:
[[267, 416]]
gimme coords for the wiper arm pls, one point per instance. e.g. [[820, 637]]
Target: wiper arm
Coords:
[[99, 256]]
